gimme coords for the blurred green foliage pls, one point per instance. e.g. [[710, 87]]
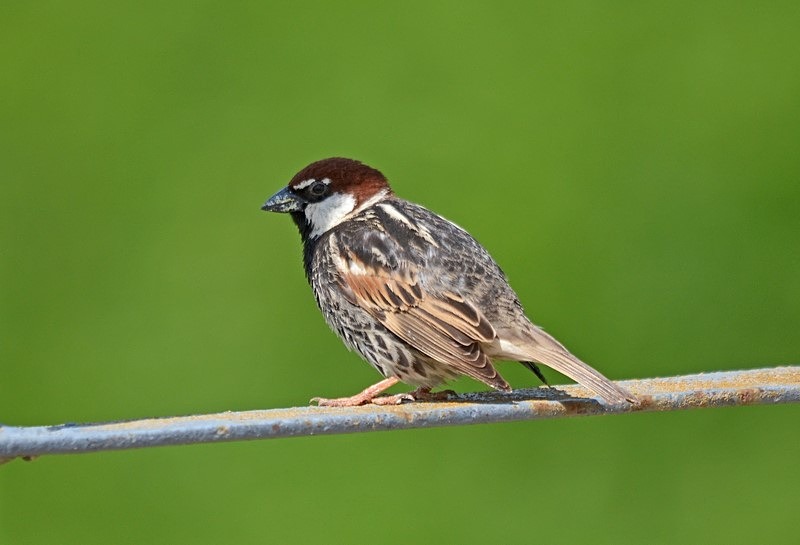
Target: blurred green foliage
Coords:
[[633, 167]]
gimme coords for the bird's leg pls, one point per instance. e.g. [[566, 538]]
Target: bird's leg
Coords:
[[368, 395]]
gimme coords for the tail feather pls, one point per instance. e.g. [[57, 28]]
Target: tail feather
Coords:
[[543, 348], [567, 364]]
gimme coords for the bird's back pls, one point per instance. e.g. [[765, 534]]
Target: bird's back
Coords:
[[400, 234]]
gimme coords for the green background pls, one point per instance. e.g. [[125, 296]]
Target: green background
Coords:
[[633, 167]]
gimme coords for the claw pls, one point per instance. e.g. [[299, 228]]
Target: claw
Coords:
[[425, 394], [396, 399]]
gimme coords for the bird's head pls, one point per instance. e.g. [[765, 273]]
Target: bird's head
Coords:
[[327, 192]]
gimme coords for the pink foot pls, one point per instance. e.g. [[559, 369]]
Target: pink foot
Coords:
[[369, 395]]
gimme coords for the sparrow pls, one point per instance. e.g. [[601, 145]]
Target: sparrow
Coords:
[[411, 292]]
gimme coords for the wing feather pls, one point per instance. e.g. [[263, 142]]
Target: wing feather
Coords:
[[444, 327]]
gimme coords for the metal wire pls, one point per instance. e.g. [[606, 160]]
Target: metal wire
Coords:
[[752, 387]]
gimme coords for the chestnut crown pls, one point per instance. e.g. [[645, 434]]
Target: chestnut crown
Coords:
[[340, 175]]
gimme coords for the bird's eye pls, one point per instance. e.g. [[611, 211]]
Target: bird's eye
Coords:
[[318, 189]]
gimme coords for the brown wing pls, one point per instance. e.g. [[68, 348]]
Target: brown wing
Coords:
[[443, 326]]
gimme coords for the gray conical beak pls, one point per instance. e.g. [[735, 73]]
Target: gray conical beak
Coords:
[[283, 201]]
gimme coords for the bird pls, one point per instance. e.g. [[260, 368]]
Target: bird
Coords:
[[413, 293]]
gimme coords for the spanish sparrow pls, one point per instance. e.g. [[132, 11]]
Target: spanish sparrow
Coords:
[[420, 299]]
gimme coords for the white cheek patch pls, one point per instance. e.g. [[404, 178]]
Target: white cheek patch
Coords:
[[329, 212]]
